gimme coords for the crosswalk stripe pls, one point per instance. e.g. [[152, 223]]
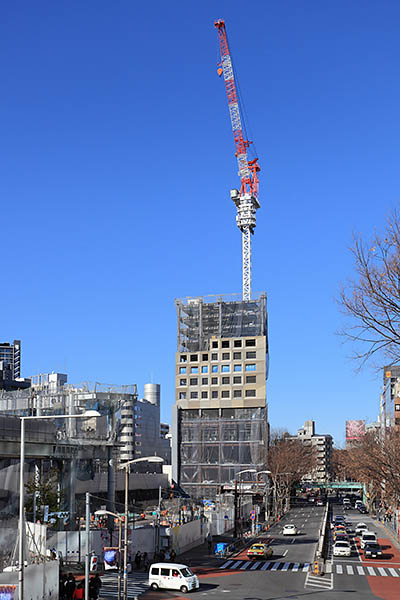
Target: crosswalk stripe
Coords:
[[296, 567], [265, 566], [393, 572], [360, 571], [382, 571], [275, 567], [339, 569], [236, 564], [285, 567], [255, 565], [306, 567], [349, 570], [226, 564], [371, 571], [246, 564]]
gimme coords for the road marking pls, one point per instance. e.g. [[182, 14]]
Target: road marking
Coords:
[[349, 570], [226, 564], [360, 571], [339, 569], [255, 565], [284, 554], [293, 541], [265, 566], [371, 571], [246, 564], [236, 564], [382, 571], [306, 567], [296, 567], [275, 567], [285, 567], [393, 572]]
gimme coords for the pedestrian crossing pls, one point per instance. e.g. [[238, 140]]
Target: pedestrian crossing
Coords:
[[138, 583], [364, 570], [335, 568], [269, 565]]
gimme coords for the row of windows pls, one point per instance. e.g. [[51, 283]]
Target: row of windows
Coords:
[[214, 369], [214, 356], [214, 380], [217, 394]]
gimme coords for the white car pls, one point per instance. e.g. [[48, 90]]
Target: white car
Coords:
[[360, 528], [289, 529], [367, 537], [341, 548]]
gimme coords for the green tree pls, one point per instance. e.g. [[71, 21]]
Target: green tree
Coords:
[[46, 494]]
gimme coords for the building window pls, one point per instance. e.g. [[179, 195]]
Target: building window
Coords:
[[204, 357], [251, 354], [225, 356], [225, 380], [237, 343], [194, 369], [251, 378], [237, 393], [250, 393], [225, 344], [182, 395], [194, 395], [204, 369], [250, 343], [237, 356], [225, 394], [237, 379], [193, 381], [214, 394], [204, 394], [214, 356], [250, 367], [225, 368], [182, 370], [183, 358], [214, 380], [182, 381], [214, 344], [214, 369], [237, 368], [397, 407], [204, 381]]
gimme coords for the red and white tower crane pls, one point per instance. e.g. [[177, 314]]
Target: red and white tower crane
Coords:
[[246, 199]]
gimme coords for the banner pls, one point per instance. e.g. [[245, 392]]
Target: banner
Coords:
[[111, 558]]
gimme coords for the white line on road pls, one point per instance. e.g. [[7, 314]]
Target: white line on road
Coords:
[[285, 567], [371, 571], [393, 572], [265, 566], [246, 564], [360, 571], [284, 554], [296, 567], [349, 570], [382, 571], [306, 567], [339, 569], [236, 564], [255, 565], [226, 564], [293, 541], [275, 567]]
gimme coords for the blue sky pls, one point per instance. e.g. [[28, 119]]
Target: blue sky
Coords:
[[116, 161]]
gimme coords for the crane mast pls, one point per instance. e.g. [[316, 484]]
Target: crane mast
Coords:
[[246, 200]]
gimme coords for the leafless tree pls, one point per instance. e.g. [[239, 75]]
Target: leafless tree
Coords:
[[372, 300]]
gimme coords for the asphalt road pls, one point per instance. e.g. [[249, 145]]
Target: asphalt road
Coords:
[[287, 576]]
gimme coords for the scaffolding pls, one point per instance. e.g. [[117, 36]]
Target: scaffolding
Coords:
[[199, 320]]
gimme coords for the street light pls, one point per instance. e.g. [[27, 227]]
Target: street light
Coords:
[[235, 498], [102, 513], [266, 495], [85, 415], [126, 465]]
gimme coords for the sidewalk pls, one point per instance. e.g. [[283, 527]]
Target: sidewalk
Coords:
[[390, 531]]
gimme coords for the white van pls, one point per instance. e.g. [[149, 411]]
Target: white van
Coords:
[[172, 576]]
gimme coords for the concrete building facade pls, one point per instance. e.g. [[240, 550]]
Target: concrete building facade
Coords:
[[323, 447], [219, 424]]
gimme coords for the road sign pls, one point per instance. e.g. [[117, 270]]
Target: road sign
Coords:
[[252, 515]]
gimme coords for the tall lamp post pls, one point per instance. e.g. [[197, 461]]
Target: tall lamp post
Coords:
[[235, 516], [126, 465], [266, 494], [102, 513], [21, 559]]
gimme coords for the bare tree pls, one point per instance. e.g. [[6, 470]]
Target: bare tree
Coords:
[[372, 301]]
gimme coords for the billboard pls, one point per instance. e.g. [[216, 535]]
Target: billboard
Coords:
[[355, 430]]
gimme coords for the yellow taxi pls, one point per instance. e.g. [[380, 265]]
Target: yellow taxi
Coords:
[[259, 551]]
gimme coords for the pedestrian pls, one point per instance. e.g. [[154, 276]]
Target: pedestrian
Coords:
[[209, 542], [145, 561], [79, 593], [167, 555], [70, 586], [173, 555], [92, 589], [138, 559], [97, 583], [61, 593]]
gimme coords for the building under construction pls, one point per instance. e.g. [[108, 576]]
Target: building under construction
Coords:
[[220, 414]]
